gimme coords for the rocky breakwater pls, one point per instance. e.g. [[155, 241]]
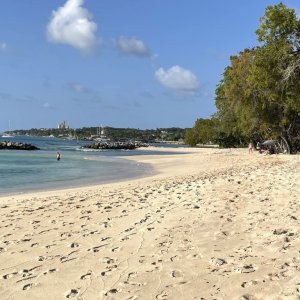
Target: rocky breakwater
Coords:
[[17, 146], [116, 145]]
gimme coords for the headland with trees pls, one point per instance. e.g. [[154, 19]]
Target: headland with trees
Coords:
[[173, 134]]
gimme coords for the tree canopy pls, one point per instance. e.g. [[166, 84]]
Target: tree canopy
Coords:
[[259, 95]]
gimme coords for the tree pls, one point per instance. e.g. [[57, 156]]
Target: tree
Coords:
[[255, 94], [259, 94], [203, 132], [278, 87], [236, 100]]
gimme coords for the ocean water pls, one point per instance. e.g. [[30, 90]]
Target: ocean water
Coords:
[[25, 171]]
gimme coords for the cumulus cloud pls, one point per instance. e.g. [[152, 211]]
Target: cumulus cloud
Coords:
[[72, 24], [131, 46], [177, 78]]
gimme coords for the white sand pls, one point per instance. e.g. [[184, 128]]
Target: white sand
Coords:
[[209, 224]]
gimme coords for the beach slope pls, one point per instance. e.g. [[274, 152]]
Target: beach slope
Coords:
[[208, 224]]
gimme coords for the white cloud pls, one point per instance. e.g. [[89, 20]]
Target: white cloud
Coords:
[[77, 87], [132, 46], [177, 78], [72, 24], [3, 46], [46, 105]]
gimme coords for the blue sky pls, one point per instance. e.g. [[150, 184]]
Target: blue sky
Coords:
[[120, 63]]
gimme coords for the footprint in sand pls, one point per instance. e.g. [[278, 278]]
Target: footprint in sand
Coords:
[[195, 256], [7, 276], [248, 297], [249, 283], [109, 260], [72, 293], [86, 276], [106, 224], [42, 258], [67, 258], [177, 273], [116, 249], [217, 261], [97, 248], [131, 275], [162, 295], [50, 246], [112, 291], [248, 269], [132, 298], [74, 245], [50, 271], [27, 286]]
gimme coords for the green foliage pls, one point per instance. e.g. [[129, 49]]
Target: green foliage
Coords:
[[258, 96], [204, 132], [191, 137], [147, 135], [278, 23], [236, 99]]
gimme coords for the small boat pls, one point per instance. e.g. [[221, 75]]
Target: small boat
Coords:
[[7, 135]]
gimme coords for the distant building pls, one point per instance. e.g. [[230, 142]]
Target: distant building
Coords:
[[63, 125]]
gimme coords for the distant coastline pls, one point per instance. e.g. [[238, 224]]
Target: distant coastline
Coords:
[[159, 135]]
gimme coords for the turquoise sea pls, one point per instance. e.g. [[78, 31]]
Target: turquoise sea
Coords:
[[25, 171]]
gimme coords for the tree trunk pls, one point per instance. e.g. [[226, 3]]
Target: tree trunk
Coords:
[[286, 142]]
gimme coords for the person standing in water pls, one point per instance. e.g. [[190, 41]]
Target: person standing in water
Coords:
[[58, 156]]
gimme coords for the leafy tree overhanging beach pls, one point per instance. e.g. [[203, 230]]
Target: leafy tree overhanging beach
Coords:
[[258, 96]]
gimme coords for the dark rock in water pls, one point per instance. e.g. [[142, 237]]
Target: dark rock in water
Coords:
[[116, 145], [17, 146]]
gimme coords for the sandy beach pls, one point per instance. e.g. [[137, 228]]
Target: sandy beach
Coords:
[[208, 224]]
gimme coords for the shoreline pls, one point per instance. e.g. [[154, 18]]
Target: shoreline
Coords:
[[94, 170], [161, 167], [213, 224], [148, 160]]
